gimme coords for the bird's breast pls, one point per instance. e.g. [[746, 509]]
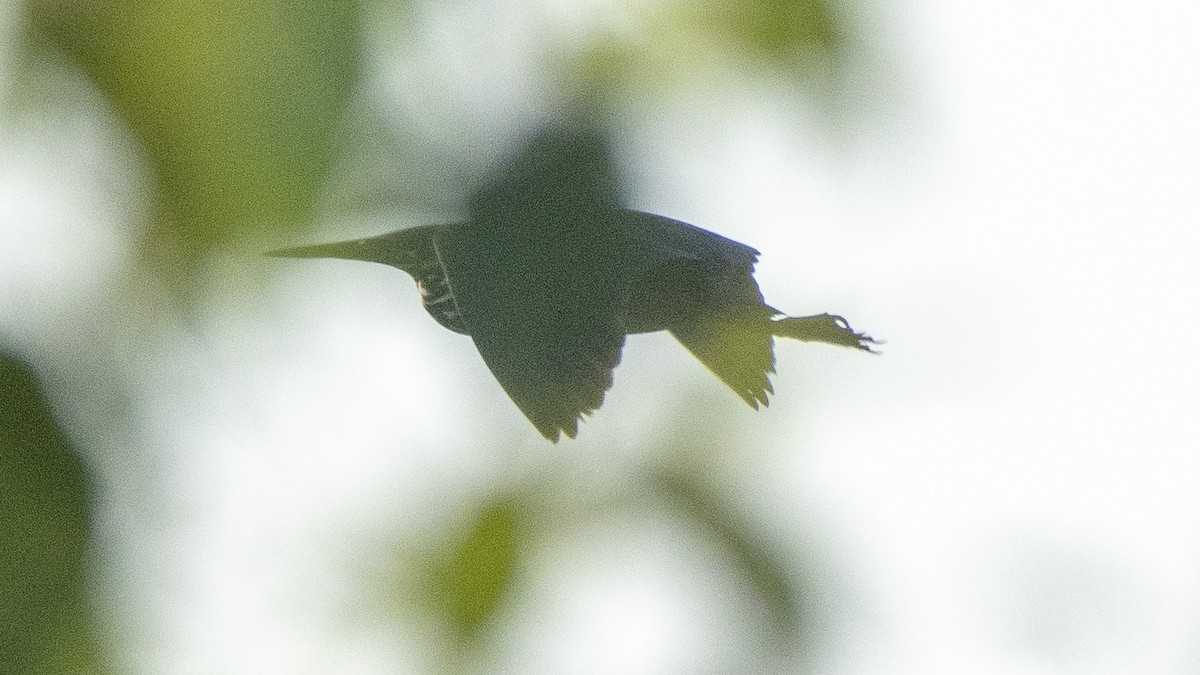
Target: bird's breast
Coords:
[[437, 296]]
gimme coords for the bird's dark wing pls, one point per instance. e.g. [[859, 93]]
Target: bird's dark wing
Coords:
[[566, 167], [556, 376], [540, 278], [727, 328], [551, 335]]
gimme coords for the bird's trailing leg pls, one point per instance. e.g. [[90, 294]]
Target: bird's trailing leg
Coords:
[[829, 328]]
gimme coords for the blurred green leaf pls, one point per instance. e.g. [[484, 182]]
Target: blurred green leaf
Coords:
[[686, 39], [470, 581], [44, 623], [235, 102], [777, 30]]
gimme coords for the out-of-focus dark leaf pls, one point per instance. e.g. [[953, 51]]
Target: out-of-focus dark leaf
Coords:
[[44, 623], [235, 102], [469, 582]]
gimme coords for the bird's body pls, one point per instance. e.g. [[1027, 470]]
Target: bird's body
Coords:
[[550, 274]]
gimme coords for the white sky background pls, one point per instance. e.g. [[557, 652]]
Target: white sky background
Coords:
[[1012, 487]]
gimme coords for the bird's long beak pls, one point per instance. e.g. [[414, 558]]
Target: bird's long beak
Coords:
[[352, 250], [370, 249]]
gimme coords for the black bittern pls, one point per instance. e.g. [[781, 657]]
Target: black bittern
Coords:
[[549, 274]]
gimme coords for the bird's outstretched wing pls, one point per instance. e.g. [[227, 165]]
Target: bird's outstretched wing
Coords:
[[736, 349], [556, 375], [539, 277], [736, 346], [722, 320]]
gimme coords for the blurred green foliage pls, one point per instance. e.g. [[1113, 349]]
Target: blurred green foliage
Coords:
[[468, 583], [783, 33], [44, 498], [681, 42], [236, 103]]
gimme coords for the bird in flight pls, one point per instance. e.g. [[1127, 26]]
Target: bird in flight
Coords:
[[549, 273]]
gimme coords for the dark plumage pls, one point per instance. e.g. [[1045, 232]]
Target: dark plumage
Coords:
[[550, 274]]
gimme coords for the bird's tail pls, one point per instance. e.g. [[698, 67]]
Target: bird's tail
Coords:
[[828, 328]]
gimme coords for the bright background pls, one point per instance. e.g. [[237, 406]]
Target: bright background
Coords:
[[294, 470]]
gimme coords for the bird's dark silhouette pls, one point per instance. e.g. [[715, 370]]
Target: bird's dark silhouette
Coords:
[[549, 274]]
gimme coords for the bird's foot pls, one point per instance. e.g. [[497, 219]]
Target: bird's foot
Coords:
[[828, 328]]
